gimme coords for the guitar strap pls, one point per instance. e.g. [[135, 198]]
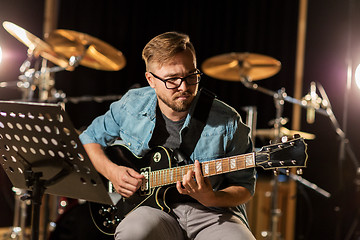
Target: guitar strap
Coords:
[[196, 125]]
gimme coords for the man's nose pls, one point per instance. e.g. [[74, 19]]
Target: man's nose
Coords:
[[183, 85]]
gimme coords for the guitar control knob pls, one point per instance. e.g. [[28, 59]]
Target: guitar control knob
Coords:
[[108, 223]]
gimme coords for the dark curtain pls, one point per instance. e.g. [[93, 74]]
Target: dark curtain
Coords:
[[215, 27]]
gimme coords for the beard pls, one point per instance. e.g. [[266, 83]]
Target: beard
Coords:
[[178, 105]]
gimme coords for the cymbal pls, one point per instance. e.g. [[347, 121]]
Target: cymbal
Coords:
[[92, 52], [235, 66], [36, 45], [271, 133]]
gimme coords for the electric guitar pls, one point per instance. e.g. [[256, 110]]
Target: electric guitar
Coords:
[[161, 174]]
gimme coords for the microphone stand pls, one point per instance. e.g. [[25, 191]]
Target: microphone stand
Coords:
[[345, 147], [344, 142]]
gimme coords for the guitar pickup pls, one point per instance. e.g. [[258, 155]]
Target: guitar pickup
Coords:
[[145, 186]]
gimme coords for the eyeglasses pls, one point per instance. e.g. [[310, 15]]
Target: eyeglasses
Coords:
[[172, 83]]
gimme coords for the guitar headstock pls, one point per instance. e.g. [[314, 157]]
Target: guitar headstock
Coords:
[[289, 154]]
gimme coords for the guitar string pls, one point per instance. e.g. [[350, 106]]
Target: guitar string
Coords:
[[171, 175]]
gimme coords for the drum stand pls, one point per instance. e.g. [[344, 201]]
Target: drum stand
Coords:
[[19, 223], [279, 99]]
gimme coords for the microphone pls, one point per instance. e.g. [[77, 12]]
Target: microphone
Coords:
[[312, 102]]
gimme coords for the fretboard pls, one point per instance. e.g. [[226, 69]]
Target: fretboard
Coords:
[[209, 168]]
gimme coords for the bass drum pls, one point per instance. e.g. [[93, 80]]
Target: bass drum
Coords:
[[76, 224]]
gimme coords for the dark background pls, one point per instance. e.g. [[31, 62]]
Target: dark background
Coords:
[[217, 27]]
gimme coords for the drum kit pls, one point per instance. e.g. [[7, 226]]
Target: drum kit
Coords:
[[68, 49]]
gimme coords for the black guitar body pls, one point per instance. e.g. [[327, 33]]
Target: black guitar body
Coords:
[[161, 171], [107, 217]]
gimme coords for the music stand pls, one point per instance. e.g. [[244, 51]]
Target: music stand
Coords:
[[41, 152]]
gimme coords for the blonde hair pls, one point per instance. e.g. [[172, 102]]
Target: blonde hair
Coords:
[[163, 47]]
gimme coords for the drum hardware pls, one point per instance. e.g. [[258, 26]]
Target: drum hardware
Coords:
[[66, 49], [275, 210], [18, 230], [312, 102], [246, 68], [37, 47], [307, 183], [251, 120], [37, 77], [271, 133], [232, 65], [86, 50], [98, 99]]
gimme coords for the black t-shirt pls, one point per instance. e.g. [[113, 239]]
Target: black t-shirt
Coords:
[[166, 132]]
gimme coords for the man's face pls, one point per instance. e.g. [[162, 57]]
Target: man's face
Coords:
[[180, 98]]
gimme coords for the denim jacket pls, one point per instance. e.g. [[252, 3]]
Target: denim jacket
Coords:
[[132, 119]]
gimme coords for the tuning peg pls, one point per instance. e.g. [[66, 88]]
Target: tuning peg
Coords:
[[276, 172], [299, 171], [284, 139], [287, 171]]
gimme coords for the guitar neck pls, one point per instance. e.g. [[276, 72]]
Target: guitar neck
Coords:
[[209, 168]]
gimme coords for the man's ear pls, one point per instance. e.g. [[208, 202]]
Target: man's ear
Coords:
[[150, 80]]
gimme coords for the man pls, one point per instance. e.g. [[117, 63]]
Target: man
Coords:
[[160, 115]]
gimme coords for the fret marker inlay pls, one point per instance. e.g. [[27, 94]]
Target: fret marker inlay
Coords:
[[249, 160], [218, 167], [232, 163], [206, 168]]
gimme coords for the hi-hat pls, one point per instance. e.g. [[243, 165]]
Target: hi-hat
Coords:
[[271, 133], [237, 66], [35, 44], [91, 52]]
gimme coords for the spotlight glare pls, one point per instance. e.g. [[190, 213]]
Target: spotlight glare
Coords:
[[357, 76]]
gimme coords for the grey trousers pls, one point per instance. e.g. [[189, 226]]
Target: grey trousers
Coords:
[[192, 221]]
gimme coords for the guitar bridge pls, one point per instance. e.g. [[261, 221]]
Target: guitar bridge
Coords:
[[145, 186]]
